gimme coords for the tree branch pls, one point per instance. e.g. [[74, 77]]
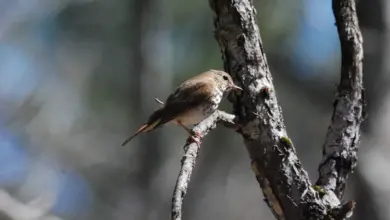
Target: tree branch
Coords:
[[284, 183], [341, 144], [191, 153]]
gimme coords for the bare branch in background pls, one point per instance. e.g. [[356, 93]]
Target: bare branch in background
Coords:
[[285, 184], [188, 160], [341, 144]]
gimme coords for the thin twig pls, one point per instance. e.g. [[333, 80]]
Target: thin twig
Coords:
[[341, 144], [159, 101], [188, 160]]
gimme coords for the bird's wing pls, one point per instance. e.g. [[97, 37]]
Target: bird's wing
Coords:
[[187, 96]]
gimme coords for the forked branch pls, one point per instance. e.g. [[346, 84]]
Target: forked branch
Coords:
[[284, 183]]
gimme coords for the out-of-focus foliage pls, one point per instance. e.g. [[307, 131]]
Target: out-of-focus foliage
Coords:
[[78, 76]]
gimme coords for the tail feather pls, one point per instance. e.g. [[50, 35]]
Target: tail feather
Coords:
[[143, 128]]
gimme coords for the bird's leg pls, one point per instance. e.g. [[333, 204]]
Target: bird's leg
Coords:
[[195, 136], [189, 131]]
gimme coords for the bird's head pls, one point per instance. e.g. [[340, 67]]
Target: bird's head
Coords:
[[224, 81]]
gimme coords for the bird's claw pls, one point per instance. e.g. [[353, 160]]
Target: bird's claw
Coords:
[[196, 140], [195, 137]]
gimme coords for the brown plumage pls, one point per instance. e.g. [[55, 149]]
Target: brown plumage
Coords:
[[191, 102]]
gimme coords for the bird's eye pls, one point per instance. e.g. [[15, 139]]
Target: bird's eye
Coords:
[[225, 77]]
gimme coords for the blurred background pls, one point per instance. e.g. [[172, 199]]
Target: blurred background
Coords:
[[78, 76]]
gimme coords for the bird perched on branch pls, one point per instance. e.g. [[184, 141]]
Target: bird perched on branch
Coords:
[[191, 102]]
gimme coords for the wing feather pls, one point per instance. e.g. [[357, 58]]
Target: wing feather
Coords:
[[187, 96]]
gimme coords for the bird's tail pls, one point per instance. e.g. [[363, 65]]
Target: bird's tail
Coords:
[[152, 124]]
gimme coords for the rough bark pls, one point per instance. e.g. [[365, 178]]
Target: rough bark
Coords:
[[188, 162], [340, 148], [284, 183]]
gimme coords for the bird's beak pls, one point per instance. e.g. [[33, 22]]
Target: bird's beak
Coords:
[[236, 87]]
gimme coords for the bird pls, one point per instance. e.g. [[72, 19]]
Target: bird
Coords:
[[190, 103]]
